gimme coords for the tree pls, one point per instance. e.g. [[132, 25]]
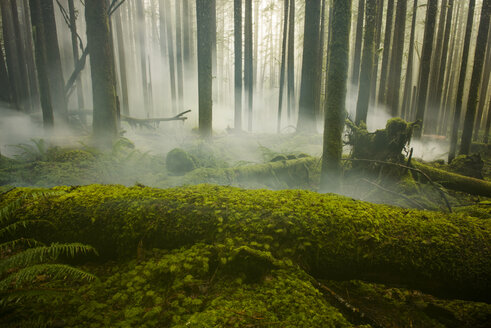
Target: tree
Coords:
[[424, 72], [166, 21], [76, 55], [378, 36], [367, 63], [481, 45], [291, 60], [248, 63], [408, 84], [396, 58], [105, 120], [385, 56], [358, 39], [486, 81], [306, 111], [282, 69], [460, 88], [142, 37], [204, 11], [180, 77], [238, 63], [122, 64], [5, 92], [335, 107]]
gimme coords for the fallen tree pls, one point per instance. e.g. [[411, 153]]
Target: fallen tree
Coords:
[[331, 237]]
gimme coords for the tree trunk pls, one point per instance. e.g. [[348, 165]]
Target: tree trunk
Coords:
[[5, 90], [105, 123], [481, 45], [206, 29], [488, 124], [393, 93], [378, 36], [425, 67], [367, 63], [335, 110], [248, 62], [282, 69], [486, 81], [408, 84], [31, 65], [359, 37], [122, 64], [41, 62], [320, 61], [306, 112], [385, 57], [238, 64], [186, 38], [76, 56], [142, 38], [180, 77], [166, 19], [291, 60], [460, 88]]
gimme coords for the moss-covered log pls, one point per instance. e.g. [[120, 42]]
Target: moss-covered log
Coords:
[[330, 236], [456, 181]]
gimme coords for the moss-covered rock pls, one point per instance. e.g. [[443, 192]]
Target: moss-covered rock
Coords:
[[330, 236], [179, 162], [468, 165]]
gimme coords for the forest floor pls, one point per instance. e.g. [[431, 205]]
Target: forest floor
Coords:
[[192, 289]]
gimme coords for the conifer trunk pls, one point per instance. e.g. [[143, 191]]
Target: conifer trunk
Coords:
[[248, 62], [358, 40], [408, 84], [385, 57]]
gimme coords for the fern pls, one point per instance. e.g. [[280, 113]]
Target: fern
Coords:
[[14, 244], [14, 227]]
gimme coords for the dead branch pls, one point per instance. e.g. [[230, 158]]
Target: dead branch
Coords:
[[409, 200]]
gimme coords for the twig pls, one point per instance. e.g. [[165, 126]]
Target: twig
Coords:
[[442, 194], [409, 200]]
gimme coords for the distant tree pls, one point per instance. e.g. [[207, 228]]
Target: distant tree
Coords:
[[238, 63], [248, 62], [386, 52], [481, 45], [186, 34], [122, 63], [179, 63], [335, 108], [393, 93], [320, 59], [306, 110], [142, 44], [408, 84], [282, 69], [204, 10], [378, 36], [105, 120], [460, 88], [166, 20], [291, 60], [424, 71], [75, 50], [486, 81], [358, 40], [5, 91], [367, 62]]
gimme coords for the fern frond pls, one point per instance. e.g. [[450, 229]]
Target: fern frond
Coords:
[[14, 227], [36, 255], [13, 244], [54, 271], [17, 295]]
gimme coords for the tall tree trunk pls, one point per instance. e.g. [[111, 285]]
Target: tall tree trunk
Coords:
[[31, 64], [393, 93], [55, 72], [256, 42], [408, 84], [122, 64], [5, 90], [186, 37], [335, 111], [180, 77], [481, 45], [378, 36], [104, 123], [206, 29], [75, 50], [431, 9], [238, 64], [142, 37], [306, 113], [166, 19], [291, 60], [41, 62], [358, 39], [367, 62], [488, 124], [320, 60], [460, 88], [282, 69], [248, 62], [385, 57], [486, 81]]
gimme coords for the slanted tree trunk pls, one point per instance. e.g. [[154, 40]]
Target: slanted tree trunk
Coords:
[[393, 92], [367, 63], [248, 62], [358, 40], [408, 84], [105, 120], [282, 69], [460, 88], [385, 57], [291, 60], [41, 62], [425, 67], [335, 109], [306, 112], [204, 11], [481, 45], [75, 50], [238, 64]]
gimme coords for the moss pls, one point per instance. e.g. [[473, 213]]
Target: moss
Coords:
[[468, 165], [179, 162], [330, 236]]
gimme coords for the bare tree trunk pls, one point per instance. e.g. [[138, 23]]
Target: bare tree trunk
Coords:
[[186, 38], [320, 61], [408, 84], [163, 4], [75, 49], [142, 37], [460, 88], [248, 63], [385, 58], [122, 64], [4, 79], [291, 60], [359, 37], [282, 69], [378, 36], [238, 63], [29, 52], [488, 124], [180, 77], [486, 81]]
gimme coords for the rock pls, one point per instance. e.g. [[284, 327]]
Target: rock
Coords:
[[179, 162], [470, 166]]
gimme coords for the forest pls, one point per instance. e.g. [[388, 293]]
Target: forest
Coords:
[[245, 163]]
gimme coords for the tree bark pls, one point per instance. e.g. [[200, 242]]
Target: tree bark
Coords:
[[282, 69], [122, 64], [291, 60], [142, 38], [248, 63], [358, 40], [238, 64], [75, 50], [335, 108], [5, 90], [378, 36], [385, 57], [408, 84], [166, 19], [180, 77], [486, 81]]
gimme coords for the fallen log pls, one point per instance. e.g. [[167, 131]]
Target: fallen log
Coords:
[[456, 181], [331, 237]]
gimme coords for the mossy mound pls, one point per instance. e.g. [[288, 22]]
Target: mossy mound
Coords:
[[330, 236], [468, 165], [179, 162]]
